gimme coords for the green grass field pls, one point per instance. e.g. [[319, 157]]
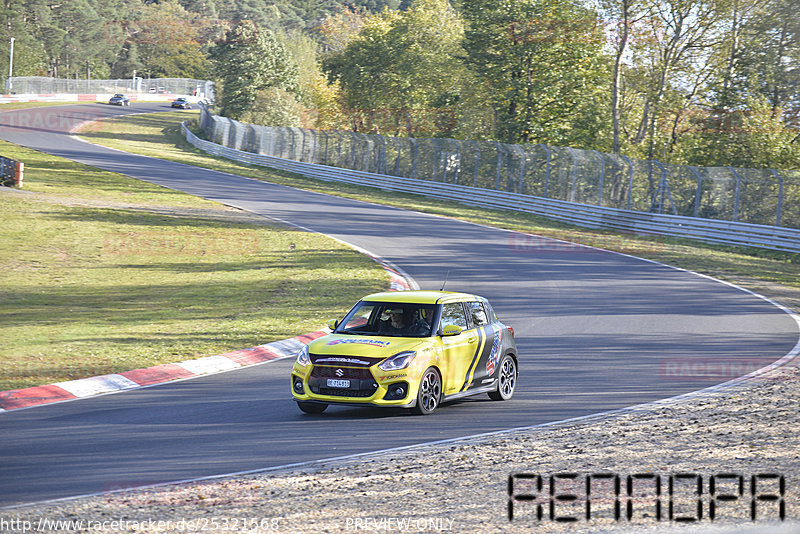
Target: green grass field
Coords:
[[773, 274], [103, 273]]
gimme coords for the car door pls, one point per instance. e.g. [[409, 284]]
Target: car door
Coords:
[[458, 352], [482, 372]]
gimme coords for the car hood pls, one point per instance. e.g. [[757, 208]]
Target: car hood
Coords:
[[363, 346]]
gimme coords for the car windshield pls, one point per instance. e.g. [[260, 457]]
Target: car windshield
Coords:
[[118, 95], [391, 319]]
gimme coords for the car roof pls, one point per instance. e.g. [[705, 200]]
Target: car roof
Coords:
[[421, 297]]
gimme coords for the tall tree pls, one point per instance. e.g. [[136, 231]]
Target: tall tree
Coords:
[[401, 73], [682, 39], [769, 62], [248, 61], [30, 57], [74, 31], [164, 40], [545, 64], [624, 17]]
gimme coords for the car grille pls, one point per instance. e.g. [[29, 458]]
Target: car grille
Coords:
[[363, 384], [344, 392], [324, 371]]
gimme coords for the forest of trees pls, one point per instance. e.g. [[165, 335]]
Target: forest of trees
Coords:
[[705, 82]]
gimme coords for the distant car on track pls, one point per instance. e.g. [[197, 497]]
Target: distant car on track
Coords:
[[410, 349], [120, 100], [181, 103]]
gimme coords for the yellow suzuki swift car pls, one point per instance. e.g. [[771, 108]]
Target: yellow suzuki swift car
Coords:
[[409, 349]]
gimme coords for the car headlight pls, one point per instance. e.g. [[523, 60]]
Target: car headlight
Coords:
[[398, 361], [302, 358]]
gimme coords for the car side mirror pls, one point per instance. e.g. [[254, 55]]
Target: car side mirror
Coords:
[[451, 330], [333, 323]]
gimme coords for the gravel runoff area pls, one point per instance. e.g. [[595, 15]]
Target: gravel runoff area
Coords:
[[749, 429]]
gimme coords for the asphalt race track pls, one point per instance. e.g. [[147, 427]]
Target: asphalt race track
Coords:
[[596, 331]]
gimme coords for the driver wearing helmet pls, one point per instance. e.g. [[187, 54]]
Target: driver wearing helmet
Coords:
[[403, 322]]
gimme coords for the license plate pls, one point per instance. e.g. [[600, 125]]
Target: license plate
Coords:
[[332, 383]]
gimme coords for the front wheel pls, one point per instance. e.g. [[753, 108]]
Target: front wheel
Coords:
[[506, 381], [312, 407], [430, 392]]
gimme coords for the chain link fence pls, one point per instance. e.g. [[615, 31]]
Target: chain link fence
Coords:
[[172, 86], [756, 196]]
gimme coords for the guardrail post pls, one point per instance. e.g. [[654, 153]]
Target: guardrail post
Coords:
[[780, 196]]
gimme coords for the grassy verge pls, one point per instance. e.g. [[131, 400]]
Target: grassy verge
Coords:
[[103, 273], [773, 274], [9, 106]]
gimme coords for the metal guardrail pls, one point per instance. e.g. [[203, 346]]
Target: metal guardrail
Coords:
[[754, 196], [592, 216]]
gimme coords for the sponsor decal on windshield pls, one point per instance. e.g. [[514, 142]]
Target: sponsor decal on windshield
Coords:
[[375, 342]]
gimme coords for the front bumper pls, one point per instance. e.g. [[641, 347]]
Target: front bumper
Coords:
[[360, 403], [310, 385]]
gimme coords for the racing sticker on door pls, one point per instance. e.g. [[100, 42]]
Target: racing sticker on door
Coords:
[[487, 357], [494, 355]]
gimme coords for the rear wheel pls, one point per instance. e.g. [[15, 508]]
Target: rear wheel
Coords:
[[506, 380], [430, 392], [312, 407]]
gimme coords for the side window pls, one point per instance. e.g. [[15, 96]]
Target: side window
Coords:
[[453, 314], [492, 316], [477, 314]]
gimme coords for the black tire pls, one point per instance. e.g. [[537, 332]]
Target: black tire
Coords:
[[506, 379], [430, 392], [312, 407]]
